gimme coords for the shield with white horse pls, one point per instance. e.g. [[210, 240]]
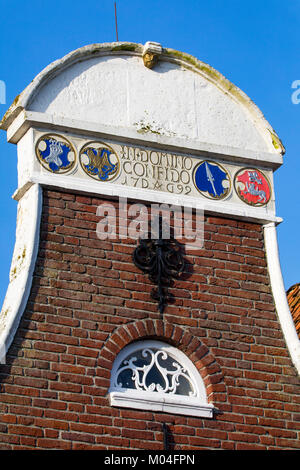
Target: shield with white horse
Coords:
[[252, 187]]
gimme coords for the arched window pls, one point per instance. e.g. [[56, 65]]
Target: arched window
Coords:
[[151, 375]]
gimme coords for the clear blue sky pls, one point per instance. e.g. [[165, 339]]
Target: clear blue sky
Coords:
[[255, 44]]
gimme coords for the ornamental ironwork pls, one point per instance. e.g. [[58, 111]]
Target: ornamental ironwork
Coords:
[[154, 370], [161, 258]]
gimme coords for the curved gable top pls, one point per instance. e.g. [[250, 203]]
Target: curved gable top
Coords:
[[180, 98]]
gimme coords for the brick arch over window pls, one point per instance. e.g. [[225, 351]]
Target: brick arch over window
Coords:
[[195, 350]]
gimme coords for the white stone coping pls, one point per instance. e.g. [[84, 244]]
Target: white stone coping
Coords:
[[279, 294], [22, 267], [168, 404], [222, 209]]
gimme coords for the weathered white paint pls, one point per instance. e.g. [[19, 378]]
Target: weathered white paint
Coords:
[[279, 294], [181, 97], [239, 211], [167, 100], [22, 266]]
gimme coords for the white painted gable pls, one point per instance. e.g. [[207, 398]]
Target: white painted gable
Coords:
[[169, 100], [161, 126], [179, 98]]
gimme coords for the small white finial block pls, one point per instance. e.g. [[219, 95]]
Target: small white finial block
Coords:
[[151, 52]]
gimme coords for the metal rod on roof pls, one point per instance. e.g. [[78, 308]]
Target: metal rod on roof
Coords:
[[116, 21]]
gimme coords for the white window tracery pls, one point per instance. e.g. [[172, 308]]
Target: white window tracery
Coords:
[[153, 375]]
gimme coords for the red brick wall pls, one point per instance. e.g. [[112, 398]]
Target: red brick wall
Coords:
[[88, 300]]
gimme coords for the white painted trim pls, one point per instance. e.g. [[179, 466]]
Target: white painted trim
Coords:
[[279, 294], [27, 119], [23, 265], [156, 401], [221, 208]]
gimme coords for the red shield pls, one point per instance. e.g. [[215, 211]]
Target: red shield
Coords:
[[252, 187]]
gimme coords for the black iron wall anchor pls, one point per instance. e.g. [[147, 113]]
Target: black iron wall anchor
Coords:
[[162, 260]]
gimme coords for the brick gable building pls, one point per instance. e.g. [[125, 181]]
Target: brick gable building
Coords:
[[79, 324]]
